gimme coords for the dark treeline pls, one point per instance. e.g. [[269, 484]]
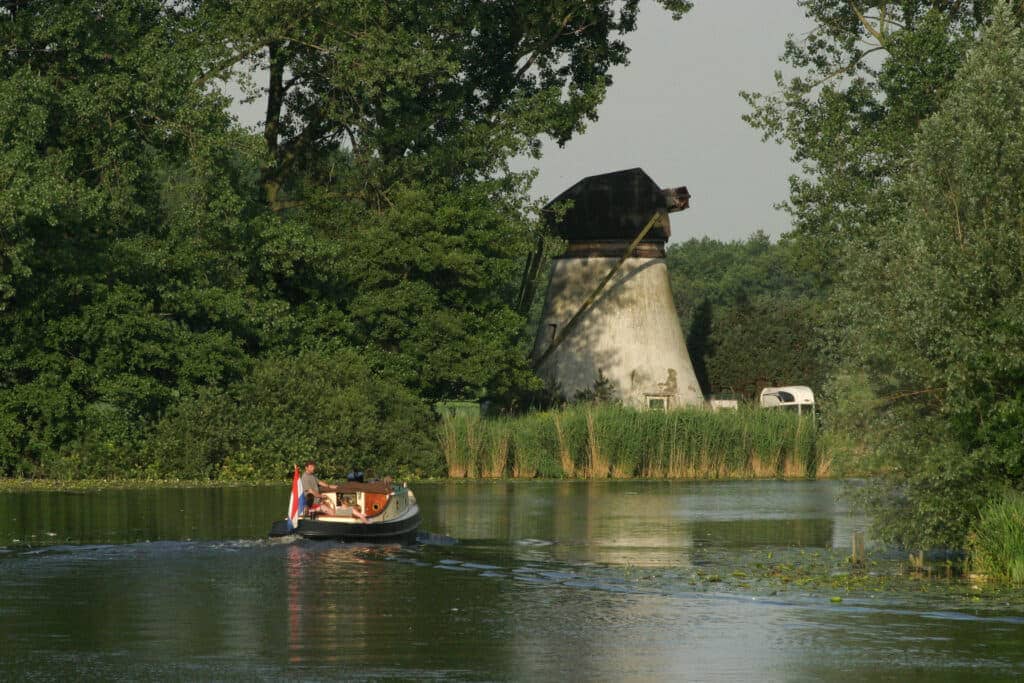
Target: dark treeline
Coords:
[[183, 297], [750, 312]]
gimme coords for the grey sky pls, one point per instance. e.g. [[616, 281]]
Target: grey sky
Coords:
[[675, 112]]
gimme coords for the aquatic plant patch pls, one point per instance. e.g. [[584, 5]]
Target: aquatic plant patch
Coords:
[[996, 542]]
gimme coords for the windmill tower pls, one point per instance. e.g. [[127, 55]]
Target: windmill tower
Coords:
[[609, 310]]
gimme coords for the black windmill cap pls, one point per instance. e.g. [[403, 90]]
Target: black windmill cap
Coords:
[[615, 206]]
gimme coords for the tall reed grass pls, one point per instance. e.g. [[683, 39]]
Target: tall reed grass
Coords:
[[997, 540], [600, 441], [475, 447], [536, 447]]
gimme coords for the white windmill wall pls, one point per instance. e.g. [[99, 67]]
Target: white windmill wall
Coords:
[[631, 333]]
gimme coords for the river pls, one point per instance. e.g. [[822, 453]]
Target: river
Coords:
[[568, 581]]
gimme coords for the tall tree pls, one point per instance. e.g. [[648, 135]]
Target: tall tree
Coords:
[[935, 312], [867, 77], [109, 292], [750, 310], [388, 130]]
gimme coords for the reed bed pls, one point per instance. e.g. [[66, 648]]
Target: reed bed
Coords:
[[564, 451], [452, 442], [997, 540], [602, 441], [494, 446]]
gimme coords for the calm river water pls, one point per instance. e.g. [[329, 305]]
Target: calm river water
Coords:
[[512, 581]]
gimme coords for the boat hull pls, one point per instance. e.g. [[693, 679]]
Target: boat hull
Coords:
[[401, 530]]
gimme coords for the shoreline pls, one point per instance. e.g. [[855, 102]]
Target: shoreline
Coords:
[[16, 485]]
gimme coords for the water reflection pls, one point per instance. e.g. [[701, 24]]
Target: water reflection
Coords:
[[295, 575], [637, 523], [329, 587]]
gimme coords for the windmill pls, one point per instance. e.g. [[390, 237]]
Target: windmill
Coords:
[[608, 312]]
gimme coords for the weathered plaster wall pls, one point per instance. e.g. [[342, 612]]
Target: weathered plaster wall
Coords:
[[631, 333]]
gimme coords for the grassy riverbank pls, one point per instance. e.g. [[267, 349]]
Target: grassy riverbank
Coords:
[[600, 441]]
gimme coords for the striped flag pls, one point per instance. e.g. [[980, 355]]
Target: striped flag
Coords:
[[296, 502]]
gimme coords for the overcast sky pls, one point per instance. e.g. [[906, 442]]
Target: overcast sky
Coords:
[[675, 112]]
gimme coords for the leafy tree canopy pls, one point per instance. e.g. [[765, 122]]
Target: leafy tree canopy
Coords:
[[934, 314], [151, 251], [865, 77]]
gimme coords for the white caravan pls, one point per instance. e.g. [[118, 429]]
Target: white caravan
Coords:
[[800, 399]]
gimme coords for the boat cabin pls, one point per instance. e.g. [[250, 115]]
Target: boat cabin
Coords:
[[371, 497]]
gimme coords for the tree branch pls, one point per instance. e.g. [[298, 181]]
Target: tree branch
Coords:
[[559, 32], [270, 173], [226, 64], [879, 36], [845, 68], [907, 394]]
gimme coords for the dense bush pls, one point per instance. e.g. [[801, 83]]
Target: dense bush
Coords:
[[159, 262], [750, 310], [535, 447], [931, 309], [324, 405]]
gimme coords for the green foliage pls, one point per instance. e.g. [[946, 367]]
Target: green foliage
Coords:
[[866, 76], [934, 310], [156, 260], [751, 312], [849, 410], [535, 446], [908, 207], [608, 448], [474, 447], [602, 391], [328, 405], [770, 341], [573, 432], [996, 542], [97, 336], [457, 443], [725, 274]]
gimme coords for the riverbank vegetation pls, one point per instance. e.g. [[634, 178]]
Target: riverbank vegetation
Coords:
[[598, 441], [829, 575], [996, 541], [22, 485], [750, 311]]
